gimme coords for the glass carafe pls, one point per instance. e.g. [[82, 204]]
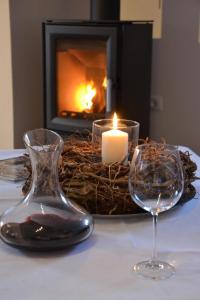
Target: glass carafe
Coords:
[[45, 219]]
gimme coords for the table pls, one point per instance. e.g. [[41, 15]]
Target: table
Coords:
[[101, 267]]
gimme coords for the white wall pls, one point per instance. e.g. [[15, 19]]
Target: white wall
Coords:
[[26, 29], [176, 75], [6, 101], [145, 10]]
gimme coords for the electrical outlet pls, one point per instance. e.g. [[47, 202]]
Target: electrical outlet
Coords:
[[156, 103]]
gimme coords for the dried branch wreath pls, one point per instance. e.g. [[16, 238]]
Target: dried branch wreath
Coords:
[[103, 189]]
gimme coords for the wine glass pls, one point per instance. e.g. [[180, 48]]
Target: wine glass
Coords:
[[155, 184]]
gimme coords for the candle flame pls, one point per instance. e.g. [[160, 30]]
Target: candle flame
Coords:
[[115, 121]]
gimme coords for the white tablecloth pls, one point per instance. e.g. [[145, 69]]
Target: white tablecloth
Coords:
[[101, 267]]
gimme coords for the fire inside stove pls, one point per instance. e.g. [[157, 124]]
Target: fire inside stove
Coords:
[[81, 78]]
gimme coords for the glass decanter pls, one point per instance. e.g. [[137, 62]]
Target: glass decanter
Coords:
[[45, 219]]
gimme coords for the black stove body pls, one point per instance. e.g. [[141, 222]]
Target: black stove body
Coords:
[[93, 69]]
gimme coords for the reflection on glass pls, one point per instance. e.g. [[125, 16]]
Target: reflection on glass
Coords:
[[156, 185]]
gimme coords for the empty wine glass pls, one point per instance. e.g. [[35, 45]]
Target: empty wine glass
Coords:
[[156, 185]]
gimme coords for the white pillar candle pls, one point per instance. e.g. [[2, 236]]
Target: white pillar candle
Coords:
[[114, 144]]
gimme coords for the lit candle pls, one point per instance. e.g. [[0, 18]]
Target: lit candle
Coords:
[[114, 144]]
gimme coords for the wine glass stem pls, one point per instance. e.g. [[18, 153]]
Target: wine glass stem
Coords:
[[154, 252]]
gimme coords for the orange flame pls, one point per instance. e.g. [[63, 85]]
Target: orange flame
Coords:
[[115, 121], [84, 96], [105, 83]]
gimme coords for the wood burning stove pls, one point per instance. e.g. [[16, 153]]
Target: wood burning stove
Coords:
[[93, 68]]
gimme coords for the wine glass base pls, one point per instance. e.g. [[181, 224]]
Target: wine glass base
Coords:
[[154, 269]]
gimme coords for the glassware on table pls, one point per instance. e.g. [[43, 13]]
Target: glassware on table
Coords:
[[129, 127], [45, 219], [155, 184]]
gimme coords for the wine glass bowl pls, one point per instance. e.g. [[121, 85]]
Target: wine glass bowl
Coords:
[[156, 185]]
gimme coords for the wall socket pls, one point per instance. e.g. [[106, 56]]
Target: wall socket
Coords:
[[156, 103]]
